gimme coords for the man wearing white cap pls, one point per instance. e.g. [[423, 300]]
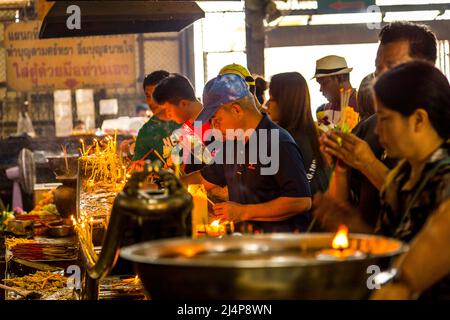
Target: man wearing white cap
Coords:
[[333, 74]]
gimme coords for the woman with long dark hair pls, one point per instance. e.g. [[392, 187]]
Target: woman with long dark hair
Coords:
[[290, 106]]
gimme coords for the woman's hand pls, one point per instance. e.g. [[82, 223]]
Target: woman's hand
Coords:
[[351, 150], [325, 141]]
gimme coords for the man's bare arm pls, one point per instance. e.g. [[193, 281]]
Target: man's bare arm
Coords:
[[277, 209]]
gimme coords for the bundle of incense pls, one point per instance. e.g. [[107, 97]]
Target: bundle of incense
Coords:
[[345, 97], [11, 242], [41, 280], [41, 251]]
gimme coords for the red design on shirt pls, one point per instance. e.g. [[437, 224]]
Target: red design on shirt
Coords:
[[189, 131]]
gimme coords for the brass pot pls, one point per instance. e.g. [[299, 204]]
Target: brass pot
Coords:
[[65, 197]]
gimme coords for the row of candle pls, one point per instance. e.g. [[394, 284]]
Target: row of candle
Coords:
[[200, 219], [84, 227], [101, 157]]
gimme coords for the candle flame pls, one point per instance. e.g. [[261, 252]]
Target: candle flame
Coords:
[[340, 241], [189, 252], [215, 223]]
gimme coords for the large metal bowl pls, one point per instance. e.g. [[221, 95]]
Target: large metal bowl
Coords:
[[270, 266]]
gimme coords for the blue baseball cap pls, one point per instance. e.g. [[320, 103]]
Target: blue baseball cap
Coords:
[[221, 90]]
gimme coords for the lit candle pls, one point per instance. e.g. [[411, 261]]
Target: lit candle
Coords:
[[215, 229], [341, 247], [91, 228], [340, 241], [83, 231], [200, 209], [97, 146], [82, 146], [115, 139]]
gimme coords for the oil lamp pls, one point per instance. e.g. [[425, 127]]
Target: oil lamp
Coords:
[[341, 248]]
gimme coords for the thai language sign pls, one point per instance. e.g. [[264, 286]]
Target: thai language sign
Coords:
[[85, 62]]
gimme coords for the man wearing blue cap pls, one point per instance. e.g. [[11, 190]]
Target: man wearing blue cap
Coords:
[[267, 196]]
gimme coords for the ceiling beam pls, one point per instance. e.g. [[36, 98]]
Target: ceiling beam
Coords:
[[338, 34], [383, 9]]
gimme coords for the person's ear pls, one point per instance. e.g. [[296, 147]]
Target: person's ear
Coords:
[[183, 104], [421, 119], [236, 110]]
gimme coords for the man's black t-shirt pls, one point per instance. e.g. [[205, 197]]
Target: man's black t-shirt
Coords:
[[247, 183]]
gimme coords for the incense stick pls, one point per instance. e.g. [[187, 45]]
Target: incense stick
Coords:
[[212, 203], [159, 156], [64, 149], [311, 225]]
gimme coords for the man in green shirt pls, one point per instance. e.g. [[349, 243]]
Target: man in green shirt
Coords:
[[151, 135]]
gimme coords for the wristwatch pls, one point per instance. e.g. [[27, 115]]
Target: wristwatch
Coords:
[[397, 275], [392, 275]]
